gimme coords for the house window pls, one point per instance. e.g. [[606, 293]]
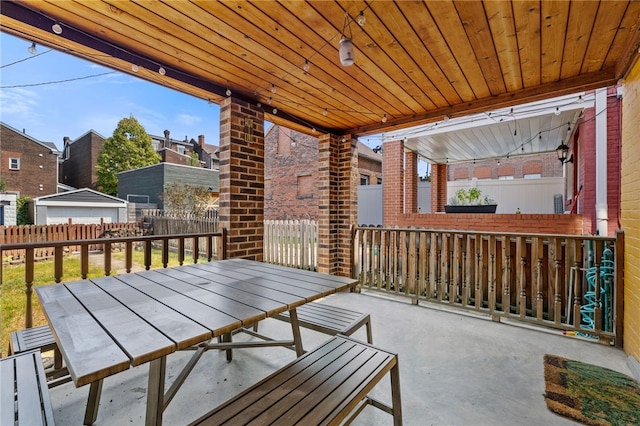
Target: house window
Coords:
[[364, 180], [505, 177], [155, 144], [533, 176], [14, 164], [306, 186], [180, 149], [379, 180]]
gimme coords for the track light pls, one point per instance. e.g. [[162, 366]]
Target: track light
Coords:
[[32, 49]]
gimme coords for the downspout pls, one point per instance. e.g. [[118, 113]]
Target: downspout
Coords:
[[602, 216]]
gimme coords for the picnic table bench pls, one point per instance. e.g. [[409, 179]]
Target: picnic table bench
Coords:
[[24, 395], [327, 385]]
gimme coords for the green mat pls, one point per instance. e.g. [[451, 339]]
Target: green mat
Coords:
[[590, 394]]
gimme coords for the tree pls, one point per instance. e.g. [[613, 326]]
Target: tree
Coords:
[[186, 199], [128, 148], [22, 211]]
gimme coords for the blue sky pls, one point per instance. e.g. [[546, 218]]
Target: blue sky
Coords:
[[49, 112]]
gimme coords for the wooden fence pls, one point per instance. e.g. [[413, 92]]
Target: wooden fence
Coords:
[[567, 282], [60, 232], [291, 243]]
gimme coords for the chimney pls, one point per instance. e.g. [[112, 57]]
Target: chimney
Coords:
[[201, 140], [166, 139], [66, 139]]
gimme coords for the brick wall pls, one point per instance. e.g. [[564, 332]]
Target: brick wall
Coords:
[[38, 173], [546, 164], [291, 158], [521, 223], [242, 178], [393, 182], [79, 168], [630, 209]]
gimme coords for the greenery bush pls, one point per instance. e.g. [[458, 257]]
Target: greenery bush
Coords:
[[22, 213], [470, 197]]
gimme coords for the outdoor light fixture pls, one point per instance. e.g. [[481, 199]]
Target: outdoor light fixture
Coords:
[[134, 68], [384, 118], [557, 112], [325, 112], [306, 66], [346, 52], [228, 92], [56, 28], [32, 49], [162, 71], [361, 20], [346, 45], [562, 150]]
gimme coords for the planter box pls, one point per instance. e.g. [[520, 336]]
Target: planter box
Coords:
[[487, 208]]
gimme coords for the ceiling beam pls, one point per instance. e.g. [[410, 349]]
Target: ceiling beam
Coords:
[[568, 86]]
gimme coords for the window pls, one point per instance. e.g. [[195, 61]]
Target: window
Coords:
[[364, 179], [14, 164], [156, 144], [533, 176], [505, 177], [180, 149], [306, 186], [379, 181]]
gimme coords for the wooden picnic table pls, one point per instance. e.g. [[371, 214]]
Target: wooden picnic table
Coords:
[[107, 325]]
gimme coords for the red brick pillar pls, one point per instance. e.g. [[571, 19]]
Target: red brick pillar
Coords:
[[338, 181], [242, 178], [411, 182], [392, 182], [438, 187]]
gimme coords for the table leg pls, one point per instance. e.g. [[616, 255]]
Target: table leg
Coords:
[[93, 402], [295, 327], [155, 391]]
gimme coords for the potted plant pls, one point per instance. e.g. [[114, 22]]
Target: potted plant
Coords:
[[470, 201]]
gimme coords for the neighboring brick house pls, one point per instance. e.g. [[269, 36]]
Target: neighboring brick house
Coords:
[[180, 151], [79, 159], [28, 166], [526, 167], [291, 173]]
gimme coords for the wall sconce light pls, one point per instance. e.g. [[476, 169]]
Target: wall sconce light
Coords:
[[561, 151]]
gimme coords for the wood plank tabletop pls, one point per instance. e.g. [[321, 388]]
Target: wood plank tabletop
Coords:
[[106, 325]]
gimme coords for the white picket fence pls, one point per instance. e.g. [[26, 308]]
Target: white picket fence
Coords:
[[292, 243]]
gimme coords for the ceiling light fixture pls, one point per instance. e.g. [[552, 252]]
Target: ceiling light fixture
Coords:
[[325, 112], [275, 110], [346, 45], [56, 28], [557, 111], [32, 49], [384, 118], [273, 88], [306, 66], [228, 92], [361, 19], [161, 70], [134, 68]]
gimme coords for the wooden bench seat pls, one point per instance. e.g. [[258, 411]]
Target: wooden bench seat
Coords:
[[330, 319], [40, 338], [327, 385], [24, 395]]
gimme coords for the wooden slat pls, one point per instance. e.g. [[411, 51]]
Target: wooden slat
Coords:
[[89, 352]]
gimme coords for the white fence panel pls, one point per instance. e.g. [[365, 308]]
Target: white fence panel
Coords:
[[291, 243]]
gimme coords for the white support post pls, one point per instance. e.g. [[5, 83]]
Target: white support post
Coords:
[[602, 215]]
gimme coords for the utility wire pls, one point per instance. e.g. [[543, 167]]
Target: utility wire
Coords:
[[25, 59], [15, 86]]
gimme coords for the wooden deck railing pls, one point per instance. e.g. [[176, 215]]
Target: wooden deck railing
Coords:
[[567, 282], [204, 245], [292, 243]]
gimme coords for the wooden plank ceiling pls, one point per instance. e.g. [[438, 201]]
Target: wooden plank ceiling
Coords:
[[415, 61]]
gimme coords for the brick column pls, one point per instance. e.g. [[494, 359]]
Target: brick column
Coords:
[[411, 182], [242, 178], [438, 187], [338, 180], [392, 182]]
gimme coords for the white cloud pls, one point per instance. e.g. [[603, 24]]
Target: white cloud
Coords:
[[19, 103], [188, 119]]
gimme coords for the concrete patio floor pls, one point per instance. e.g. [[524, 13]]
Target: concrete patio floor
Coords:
[[455, 369]]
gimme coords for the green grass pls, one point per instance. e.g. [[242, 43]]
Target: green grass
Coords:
[[12, 289]]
